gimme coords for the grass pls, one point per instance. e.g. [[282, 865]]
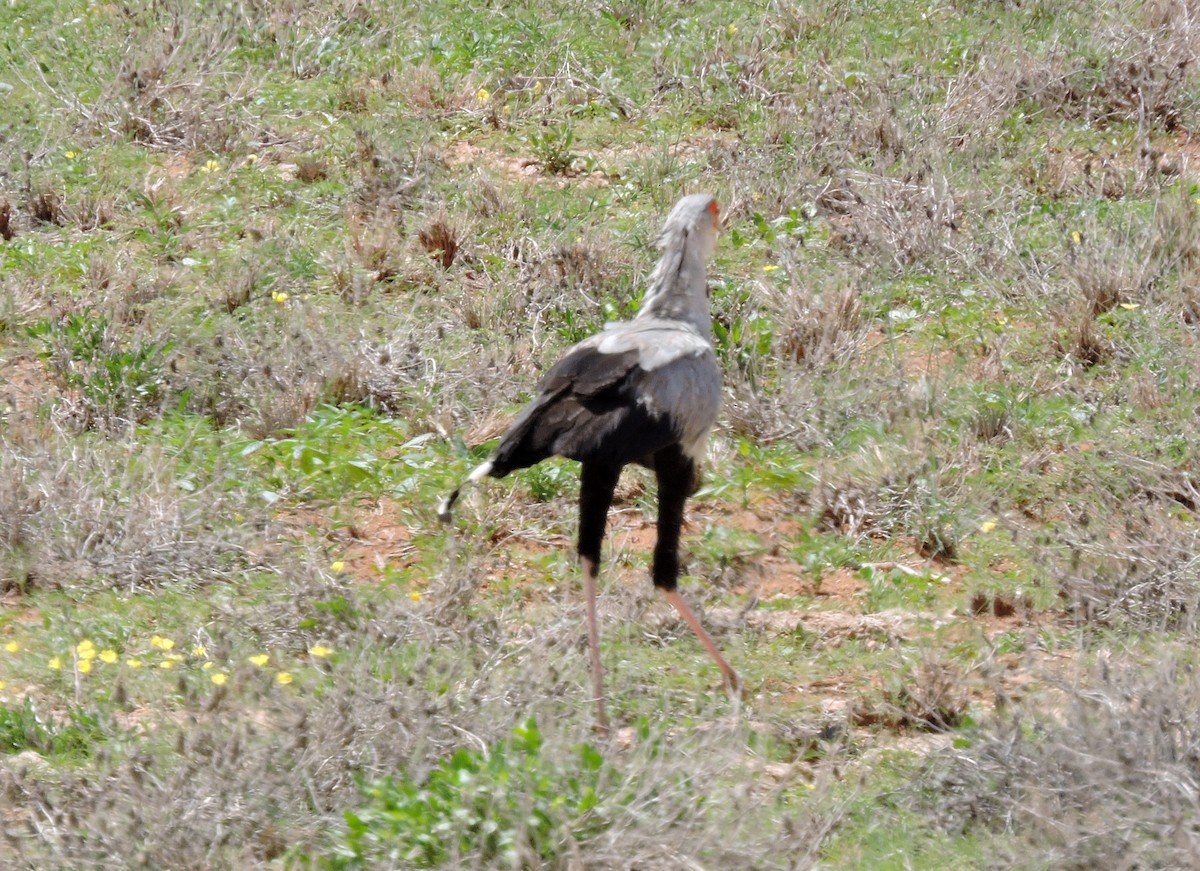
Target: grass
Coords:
[[272, 280]]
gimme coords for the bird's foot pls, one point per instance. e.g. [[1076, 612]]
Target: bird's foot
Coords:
[[735, 687]]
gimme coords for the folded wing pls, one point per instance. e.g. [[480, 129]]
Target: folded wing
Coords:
[[617, 398]]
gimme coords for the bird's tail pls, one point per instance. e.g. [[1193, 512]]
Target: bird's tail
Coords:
[[481, 471]]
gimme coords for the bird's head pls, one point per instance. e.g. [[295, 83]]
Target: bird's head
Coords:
[[692, 224], [679, 283]]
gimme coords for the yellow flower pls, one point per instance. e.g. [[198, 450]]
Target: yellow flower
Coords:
[[252, 159], [770, 267], [731, 30], [537, 87], [482, 95], [86, 649], [174, 657], [260, 659], [161, 643], [337, 565], [108, 657], [1129, 306], [210, 166], [2, 685], [55, 662], [12, 647], [987, 526], [279, 296], [283, 678], [84, 666], [133, 662], [1076, 237], [415, 595], [199, 650], [219, 678], [71, 155], [207, 665], [320, 651], [167, 663]]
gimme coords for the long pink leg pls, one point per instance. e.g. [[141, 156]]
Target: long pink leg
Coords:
[[596, 485], [732, 682], [589, 592], [676, 474]]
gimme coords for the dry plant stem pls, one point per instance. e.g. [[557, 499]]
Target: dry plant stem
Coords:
[[589, 592], [732, 682]]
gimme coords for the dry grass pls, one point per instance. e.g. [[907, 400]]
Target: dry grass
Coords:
[[817, 330], [175, 88], [46, 208], [440, 239], [913, 500], [1110, 779], [112, 517], [1141, 572], [928, 696]]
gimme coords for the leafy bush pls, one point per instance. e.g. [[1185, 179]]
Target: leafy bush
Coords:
[[116, 380], [23, 727], [490, 805]]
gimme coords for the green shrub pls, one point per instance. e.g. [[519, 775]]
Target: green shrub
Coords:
[[23, 727], [491, 806]]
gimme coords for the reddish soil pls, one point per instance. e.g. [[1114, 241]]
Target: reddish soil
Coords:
[[524, 168]]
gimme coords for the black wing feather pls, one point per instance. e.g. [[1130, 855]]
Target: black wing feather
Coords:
[[587, 409]]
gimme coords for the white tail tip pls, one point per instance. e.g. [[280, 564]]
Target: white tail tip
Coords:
[[443, 509]]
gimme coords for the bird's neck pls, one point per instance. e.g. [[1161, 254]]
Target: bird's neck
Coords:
[[678, 291]]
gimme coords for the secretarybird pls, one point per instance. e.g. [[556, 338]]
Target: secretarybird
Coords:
[[644, 391]]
